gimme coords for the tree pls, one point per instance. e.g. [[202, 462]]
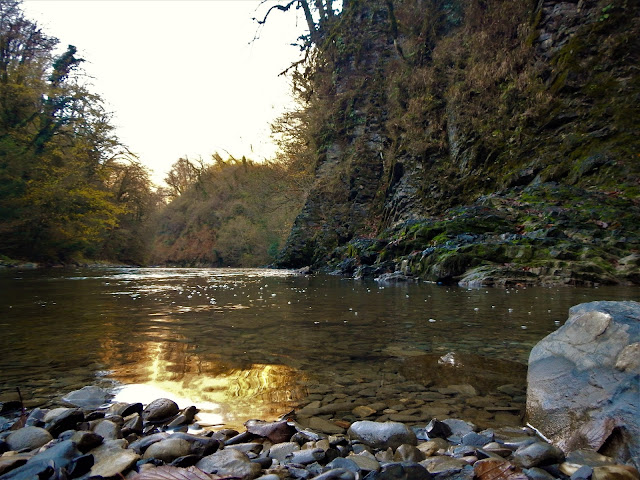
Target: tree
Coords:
[[59, 154], [182, 175]]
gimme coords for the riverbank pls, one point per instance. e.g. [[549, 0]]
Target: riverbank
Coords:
[[161, 439]]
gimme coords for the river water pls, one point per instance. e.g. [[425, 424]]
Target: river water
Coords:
[[251, 343]]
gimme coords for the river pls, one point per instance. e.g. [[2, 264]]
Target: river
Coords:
[[255, 343]]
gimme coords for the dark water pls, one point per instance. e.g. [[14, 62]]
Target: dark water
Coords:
[[253, 343]]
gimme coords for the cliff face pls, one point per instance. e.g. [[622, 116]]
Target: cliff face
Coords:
[[487, 142]]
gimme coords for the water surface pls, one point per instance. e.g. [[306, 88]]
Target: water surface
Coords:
[[242, 343]]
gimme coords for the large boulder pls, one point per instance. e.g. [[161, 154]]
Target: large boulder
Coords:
[[583, 381]]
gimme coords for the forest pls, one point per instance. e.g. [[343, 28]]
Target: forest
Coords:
[[72, 193]]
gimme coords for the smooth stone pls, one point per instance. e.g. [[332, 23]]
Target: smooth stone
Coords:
[[401, 471], [125, 409], [133, 423], [382, 435], [615, 472], [336, 474], [325, 426], [58, 456], [585, 456], [464, 389], [160, 409], [585, 472], [28, 438], [246, 447], [344, 463], [537, 454], [59, 420], [88, 397], [86, 441], [431, 447], [408, 453], [230, 463], [365, 461], [443, 465], [509, 419], [535, 473], [168, 450], [476, 439], [114, 463], [108, 430], [108, 448], [140, 445], [459, 427], [11, 462], [304, 457], [280, 451], [363, 411]]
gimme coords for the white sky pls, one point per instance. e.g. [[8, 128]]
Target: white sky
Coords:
[[182, 77]]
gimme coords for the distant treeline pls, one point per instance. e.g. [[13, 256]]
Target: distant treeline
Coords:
[[71, 192]]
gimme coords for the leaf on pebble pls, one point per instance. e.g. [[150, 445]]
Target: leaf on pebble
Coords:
[[168, 472], [495, 469]]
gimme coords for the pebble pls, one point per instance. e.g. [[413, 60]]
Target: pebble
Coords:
[[309, 448]]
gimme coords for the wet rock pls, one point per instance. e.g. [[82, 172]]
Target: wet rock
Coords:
[[306, 456], [108, 430], [583, 473], [168, 450], [114, 463], [437, 429], [230, 463], [615, 472], [537, 454], [363, 411], [365, 461], [11, 462], [325, 426], [382, 435], [277, 432], [125, 409], [536, 473], [89, 397], [86, 441], [582, 381], [401, 471], [160, 410], [54, 458], [140, 445], [59, 420], [444, 465], [475, 439], [408, 453], [431, 447], [281, 450], [28, 438]]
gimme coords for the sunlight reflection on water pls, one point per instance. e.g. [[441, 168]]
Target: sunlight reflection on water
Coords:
[[250, 343]]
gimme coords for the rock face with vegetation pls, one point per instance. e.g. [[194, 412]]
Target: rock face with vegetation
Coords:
[[584, 381], [482, 142]]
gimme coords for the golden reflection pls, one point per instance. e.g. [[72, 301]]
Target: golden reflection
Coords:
[[226, 394]]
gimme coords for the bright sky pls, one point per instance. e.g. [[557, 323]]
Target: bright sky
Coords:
[[182, 77]]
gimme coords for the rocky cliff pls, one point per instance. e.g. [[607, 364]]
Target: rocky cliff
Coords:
[[478, 141]]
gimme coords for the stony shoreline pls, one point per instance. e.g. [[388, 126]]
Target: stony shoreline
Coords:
[[162, 441]]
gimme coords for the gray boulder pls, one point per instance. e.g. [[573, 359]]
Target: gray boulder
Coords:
[[28, 438], [583, 381], [382, 435], [88, 397]]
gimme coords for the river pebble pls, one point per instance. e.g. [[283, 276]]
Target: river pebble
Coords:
[[84, 443]]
